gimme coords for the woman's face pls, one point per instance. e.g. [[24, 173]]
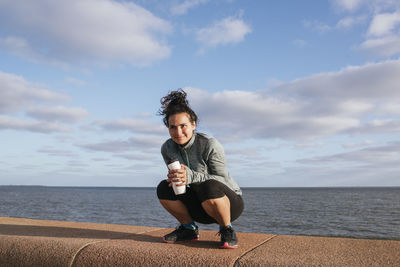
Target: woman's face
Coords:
[[180, 128]]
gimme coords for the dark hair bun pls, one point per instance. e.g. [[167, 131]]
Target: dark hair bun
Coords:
[[176, 102], [177, 97]]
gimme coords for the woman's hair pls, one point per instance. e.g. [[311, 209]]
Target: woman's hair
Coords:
[[173, 103]]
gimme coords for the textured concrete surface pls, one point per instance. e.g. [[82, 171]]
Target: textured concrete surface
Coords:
[[26, 242], [322, 251], [148, 249]]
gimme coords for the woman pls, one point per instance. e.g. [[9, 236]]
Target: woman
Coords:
[[212, 196]]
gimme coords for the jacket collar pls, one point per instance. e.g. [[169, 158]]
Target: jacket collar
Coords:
[[190, 143]]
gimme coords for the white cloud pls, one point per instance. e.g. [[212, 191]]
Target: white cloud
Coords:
[[182, 8], [237, 114], [354, 106], [377, 156], [350, 21], [146, 143], [320, 105], [384, 24], [317, 174], [377, 126], [370, 166], [360, 144], [32, 126], [383, 36], [83, 31], [77, 166], [379, 6], [309, 145], [137, 157], [56, 152], [226, 31], [75, 81], [58, 113], [375, 6], [348, 5], [300, 43], [16, 93], [386, 46], [372, 81], [390, 108], [317, 26], [344, 23], [133, 125]]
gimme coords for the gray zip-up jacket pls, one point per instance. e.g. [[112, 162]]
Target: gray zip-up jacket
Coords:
[[204, 157]]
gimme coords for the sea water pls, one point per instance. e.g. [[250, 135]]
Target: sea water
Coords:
[[370, 212]]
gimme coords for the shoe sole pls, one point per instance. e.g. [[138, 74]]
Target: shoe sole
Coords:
[[174, 242], [226, 245]]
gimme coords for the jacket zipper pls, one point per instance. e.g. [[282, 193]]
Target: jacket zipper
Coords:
[[187, 158]]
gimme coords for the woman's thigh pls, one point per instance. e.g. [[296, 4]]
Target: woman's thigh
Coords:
[[212, 189]]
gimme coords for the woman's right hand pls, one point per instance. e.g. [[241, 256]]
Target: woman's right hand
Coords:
[[178, 175]]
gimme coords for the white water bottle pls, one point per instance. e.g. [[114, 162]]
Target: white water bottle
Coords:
[[178, 189]]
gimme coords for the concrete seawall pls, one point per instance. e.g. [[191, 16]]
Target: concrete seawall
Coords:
[[26, 242]]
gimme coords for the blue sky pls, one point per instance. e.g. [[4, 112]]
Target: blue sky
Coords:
[[300, 93]]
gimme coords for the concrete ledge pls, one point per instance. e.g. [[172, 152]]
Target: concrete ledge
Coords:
[[26, 242]]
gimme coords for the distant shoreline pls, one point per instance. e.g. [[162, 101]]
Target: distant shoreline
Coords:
[[153, 187]]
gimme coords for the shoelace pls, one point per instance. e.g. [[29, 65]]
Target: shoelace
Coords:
[[179, 228], [225, 231]]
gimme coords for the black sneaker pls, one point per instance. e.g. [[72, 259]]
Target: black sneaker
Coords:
[[181, 234], [228, 238]]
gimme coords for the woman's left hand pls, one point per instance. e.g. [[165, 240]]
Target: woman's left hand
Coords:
[[177, 176]]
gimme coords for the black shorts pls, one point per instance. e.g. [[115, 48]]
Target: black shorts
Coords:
[[196, 193]]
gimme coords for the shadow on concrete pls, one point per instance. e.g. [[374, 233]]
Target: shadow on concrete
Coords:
[[66, 232], [202, 244]]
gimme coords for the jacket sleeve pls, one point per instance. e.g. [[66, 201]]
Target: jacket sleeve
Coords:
[[216, 165], [164, 153]]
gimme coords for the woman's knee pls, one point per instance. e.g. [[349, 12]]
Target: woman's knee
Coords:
[[215, 202], [237, 208], [164, 191]]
